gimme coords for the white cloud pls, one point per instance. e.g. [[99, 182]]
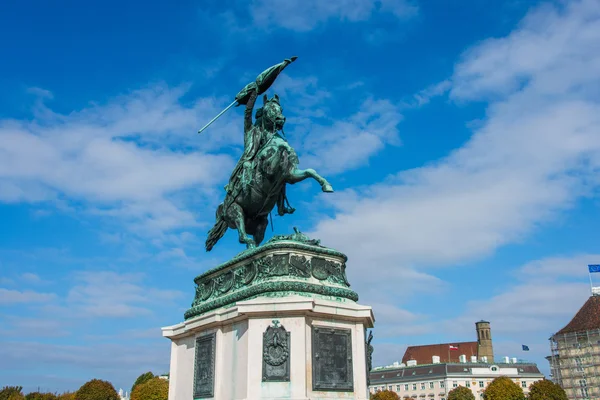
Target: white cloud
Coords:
[[305, 15], [349, 143], [354, 138], [8, 296], [110, 294], [30, 277], [123, 159], [532, 157], [543, 297], [87, 361]]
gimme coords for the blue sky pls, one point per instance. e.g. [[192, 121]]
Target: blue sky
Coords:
[[462, 139]]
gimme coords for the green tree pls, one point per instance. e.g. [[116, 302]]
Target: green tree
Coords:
[[40, 396], [385, 395], [546, 390], [154, 389], [145, 377], [503, 388], [461, 393], [67, 396], [97, 389], [11, 392]]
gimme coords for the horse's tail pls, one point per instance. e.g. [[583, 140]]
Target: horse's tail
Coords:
[[217, 231]]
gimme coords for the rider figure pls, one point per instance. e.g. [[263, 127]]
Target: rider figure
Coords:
[[256, 135]]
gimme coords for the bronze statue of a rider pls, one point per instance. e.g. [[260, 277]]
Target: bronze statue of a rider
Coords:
[[258, 181]]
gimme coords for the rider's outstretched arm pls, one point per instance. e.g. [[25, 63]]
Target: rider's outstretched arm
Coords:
[[248, 111]]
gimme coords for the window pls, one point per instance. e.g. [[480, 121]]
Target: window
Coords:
[[390, 388], [397, 388], [454, 384], [442, 384], [467, 384], [430, 385], [414, 386], [578, 363], [584, 389], [524, 384], [494, 369], [406, 387], [422, 385], [481, 384]]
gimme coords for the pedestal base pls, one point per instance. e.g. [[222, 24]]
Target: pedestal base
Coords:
[[238, 361], [276, 322]]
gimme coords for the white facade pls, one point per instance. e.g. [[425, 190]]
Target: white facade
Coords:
[[434, 381], [239, 348]]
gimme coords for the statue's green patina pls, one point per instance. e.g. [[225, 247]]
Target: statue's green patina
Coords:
[[268, 164]]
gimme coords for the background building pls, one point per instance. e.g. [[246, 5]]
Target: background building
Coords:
[[434, 380], [429, 372], [482, 349], [575, 358]]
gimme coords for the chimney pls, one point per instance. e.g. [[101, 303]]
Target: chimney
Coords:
[[506, 360], [514, 360], [462, 358], [411, 363], [435, 359], [473, 359], [484, 340]]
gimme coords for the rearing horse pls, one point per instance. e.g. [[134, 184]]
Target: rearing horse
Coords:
[[258, 182]]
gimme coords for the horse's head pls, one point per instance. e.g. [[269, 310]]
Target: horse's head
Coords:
[[270, 115]]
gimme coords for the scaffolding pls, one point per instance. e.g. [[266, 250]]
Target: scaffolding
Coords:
[[575, 363]]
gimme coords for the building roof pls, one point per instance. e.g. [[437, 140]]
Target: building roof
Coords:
[[587, 318], [435, 371], [423, 354]]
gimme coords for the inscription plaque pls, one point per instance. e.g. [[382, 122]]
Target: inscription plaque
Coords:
[[276, 354], [204, 367], [332, 359]]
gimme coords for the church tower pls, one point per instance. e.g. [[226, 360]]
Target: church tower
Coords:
[[484, 341]]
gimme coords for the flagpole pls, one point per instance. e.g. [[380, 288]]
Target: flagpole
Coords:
[[215, 118]]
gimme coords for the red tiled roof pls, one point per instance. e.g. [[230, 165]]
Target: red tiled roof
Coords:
[[587, 318], [424, 354]]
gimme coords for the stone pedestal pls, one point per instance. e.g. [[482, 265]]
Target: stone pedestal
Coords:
[[276, 322]]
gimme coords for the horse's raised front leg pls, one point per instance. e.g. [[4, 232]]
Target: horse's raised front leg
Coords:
[[299, 175], [236, 214]]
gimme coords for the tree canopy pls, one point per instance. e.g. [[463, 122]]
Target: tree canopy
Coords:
[[546, 390], [145, 377], [461, 393], [503, 388], [153, 389], [97, 389], [385, 395]]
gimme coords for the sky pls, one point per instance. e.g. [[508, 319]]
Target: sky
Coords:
[[462, 140]]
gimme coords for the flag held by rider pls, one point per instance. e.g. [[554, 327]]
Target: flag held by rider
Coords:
[[262, 84]]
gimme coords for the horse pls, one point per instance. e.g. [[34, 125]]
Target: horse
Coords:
[[259, 180]]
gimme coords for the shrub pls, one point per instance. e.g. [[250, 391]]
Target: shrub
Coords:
[[145, 377], [385, 395], [546, 390], [503, 388], [461, 393], [154, 389], [97, 389], [10, 392], [67, 396]]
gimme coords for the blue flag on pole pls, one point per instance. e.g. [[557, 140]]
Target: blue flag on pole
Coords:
[[594, 268], [525, 348]]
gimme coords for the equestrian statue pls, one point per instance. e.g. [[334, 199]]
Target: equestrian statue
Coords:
[[258, 181]]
